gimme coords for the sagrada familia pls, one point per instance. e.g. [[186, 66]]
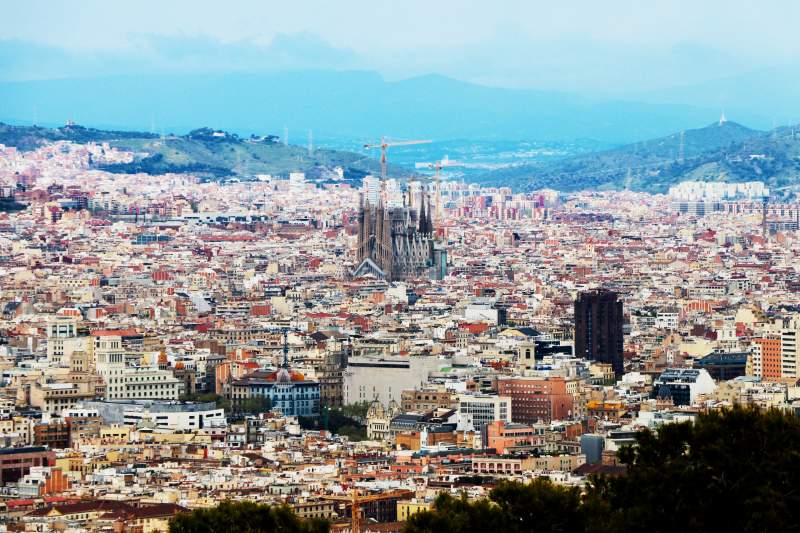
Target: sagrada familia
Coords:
[[399, 243]]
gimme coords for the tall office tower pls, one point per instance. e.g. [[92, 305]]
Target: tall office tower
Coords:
[[598, 328]]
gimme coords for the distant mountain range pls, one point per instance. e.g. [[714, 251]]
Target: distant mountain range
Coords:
[[724, 151], [350, 105], [208, 153]]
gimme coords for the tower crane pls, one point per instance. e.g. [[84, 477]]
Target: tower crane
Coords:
[[356, 500], [384, 145], [437, 166]]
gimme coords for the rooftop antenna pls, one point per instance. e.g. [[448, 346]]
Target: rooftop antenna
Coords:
[[764, 201]]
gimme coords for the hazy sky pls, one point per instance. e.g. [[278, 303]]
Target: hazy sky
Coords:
[[368, 26], [600, 46]]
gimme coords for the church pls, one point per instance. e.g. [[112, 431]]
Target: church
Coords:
[[398, 243]]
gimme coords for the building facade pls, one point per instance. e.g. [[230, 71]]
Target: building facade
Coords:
[[598, 328], [397, 243]]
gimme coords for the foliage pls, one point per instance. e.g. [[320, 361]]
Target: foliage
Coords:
[[729, 152], [244, 517], [353, 432], [335, 421], [157, 164], [253, 405], [202, 153], [511, 507], [356, 410], [31, 137], [732, 470], [220, 401]]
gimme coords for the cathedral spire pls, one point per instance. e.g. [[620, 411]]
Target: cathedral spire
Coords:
[[423, 219], [285, 363]]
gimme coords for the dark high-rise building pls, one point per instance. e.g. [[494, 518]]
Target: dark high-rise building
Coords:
[[598, 328]]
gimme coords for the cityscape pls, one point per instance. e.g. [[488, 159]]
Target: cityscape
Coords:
[[205, 330]]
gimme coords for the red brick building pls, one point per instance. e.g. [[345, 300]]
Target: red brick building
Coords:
[[17, 462], [504, 438], [534, 399]]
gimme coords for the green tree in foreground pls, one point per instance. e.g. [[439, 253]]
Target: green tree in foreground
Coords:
[[244, 517], [732, 470], [511, 508]]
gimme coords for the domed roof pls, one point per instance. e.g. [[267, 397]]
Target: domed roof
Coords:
[[286, 375], [375, 410], [283, 376]]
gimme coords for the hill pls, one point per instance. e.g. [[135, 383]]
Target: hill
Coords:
[[29, 137], [724, 151], [340, 105], [206, 152]]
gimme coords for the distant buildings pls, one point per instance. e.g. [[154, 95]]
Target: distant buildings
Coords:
[[598, 328], [694, 191]]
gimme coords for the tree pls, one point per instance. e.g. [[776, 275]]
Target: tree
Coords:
[[734, 470], [220, 401], [511, 507], [356, 410], [457, 515], [730, 470], [254, 405], [245, 517]]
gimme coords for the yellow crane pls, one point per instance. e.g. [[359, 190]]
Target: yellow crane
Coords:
[[356, 501], [384, 145]]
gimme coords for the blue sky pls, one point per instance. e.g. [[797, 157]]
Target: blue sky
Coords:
[[604, 47]]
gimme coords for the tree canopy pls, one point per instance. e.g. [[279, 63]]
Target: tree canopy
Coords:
[[511, 508], [730, 470], [245, 517]]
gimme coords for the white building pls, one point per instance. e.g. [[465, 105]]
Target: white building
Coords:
[[683, 385], [174, 416], [482, 409], [790, 336], [63, 340], [384, 378]]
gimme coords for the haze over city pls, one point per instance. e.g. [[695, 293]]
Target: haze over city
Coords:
[[399, 267]]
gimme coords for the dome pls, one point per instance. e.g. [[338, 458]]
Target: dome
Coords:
[[286, 375], [375, 410], [394, 408], [283, 376]]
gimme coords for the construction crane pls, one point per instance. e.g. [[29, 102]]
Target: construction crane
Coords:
[[437, 166], [384, 145], [356, 501]]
